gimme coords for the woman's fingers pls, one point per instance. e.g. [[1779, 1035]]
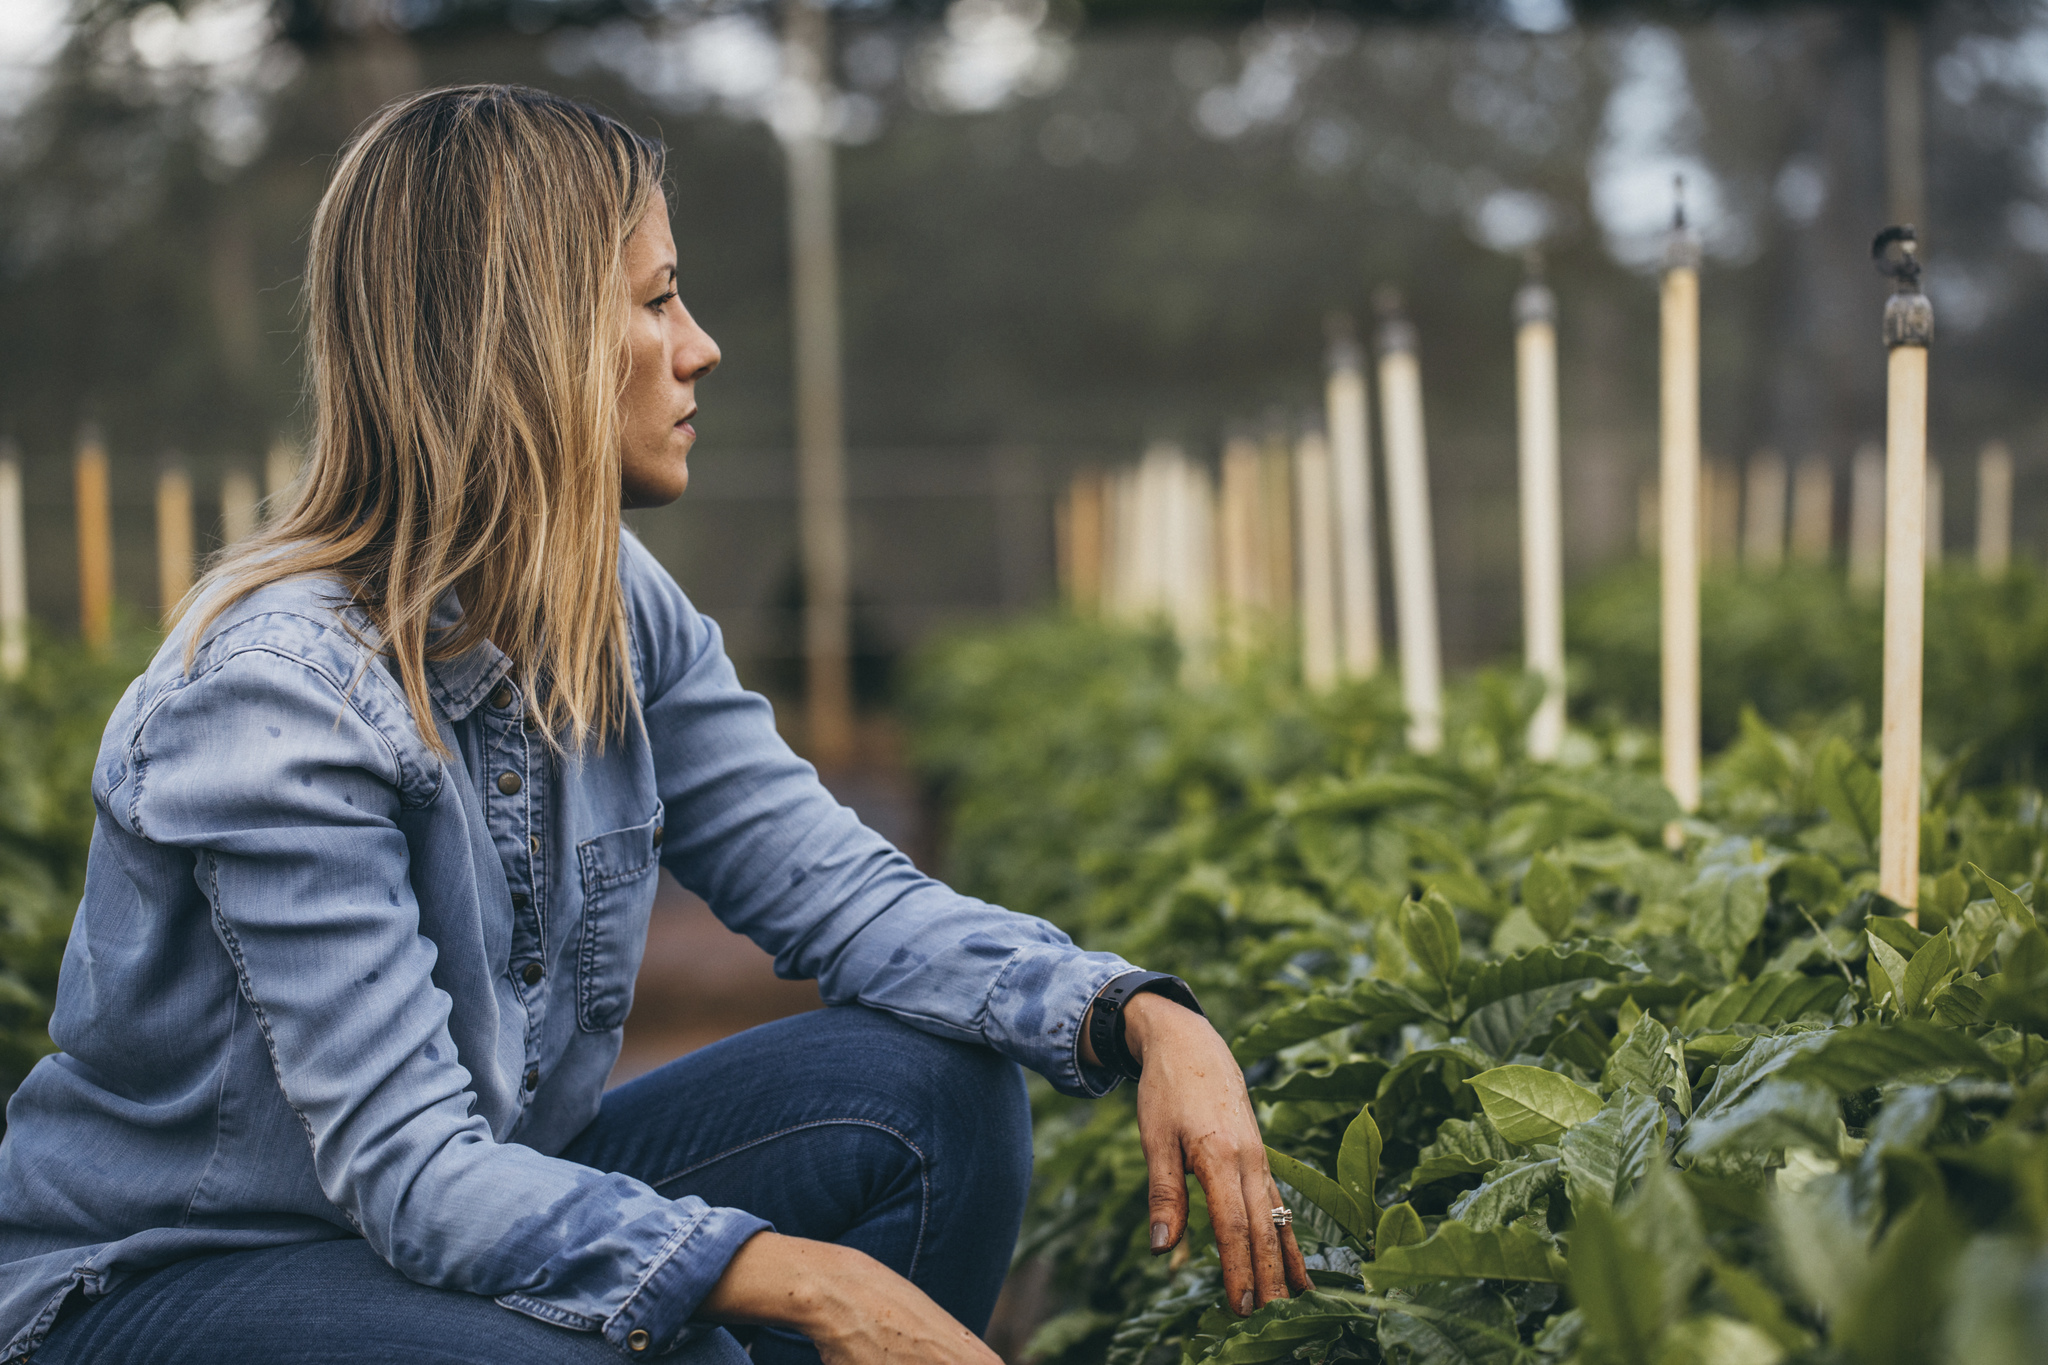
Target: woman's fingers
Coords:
[[1290, 1251], [1167, 1180], [1261, 1198], [1232, 1223]]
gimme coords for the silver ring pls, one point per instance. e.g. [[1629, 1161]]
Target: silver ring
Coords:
[[1283, 1217]]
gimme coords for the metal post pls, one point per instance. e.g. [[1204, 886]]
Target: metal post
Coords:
[[1908, 332]]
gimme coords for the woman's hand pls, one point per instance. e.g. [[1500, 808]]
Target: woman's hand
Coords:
[[1195, 1116], [855, 1310]]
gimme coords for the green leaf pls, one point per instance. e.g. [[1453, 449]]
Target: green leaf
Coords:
[[1352, 1082], [1728, 902], [1061, 1333], [1865, 1055], [1462, 1147], [1931, 967], [1848, 788], [1325, 1193], [1509, 1192], [1376, 1007], [1643, 1061], [1772, 998], [1358, 1162], [1759, 1058], [1894, 930], [1764, 1310], [1535, 968], [2013, 908], [1429, 931], [1529, 1105], [1400, 1226], [1450, 1324], [1283, 1327], [1604, 1157], [1887, 972], [1550, 896], [1514, 1024], [1456, 1252], [1617, 1287], [1778, 1115], [1975, 932]]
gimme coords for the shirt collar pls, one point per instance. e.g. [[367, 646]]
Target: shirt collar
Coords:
[[459, 684]]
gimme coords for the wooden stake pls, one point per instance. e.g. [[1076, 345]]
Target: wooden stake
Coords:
[[1932, 513], [1678, 538], [1080, 533], [13, 568], [1720, 513], [1192, 567], [1994, 509], [1813, 511], [173, 537], [1408, 515], [1908, 331], [280, 472], [1358, 590], [1276, 504], [237, 507], [1537, 443], [1315, 541], [95, 543], [1763, 513], [820, 411], [1866, 519], [1240, 543]]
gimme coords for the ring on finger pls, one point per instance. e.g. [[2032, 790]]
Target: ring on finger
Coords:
[[1283, 1217]]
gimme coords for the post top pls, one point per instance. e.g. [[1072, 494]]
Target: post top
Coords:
[[1343, 352], [1397, 333], [1908, 316], [1534, 302]]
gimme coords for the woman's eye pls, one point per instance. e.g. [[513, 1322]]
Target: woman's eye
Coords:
[[658, 304]]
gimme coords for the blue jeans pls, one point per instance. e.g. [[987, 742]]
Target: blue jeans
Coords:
[[841, 1125]]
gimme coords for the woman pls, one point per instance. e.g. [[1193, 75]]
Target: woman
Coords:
[[378, 836]]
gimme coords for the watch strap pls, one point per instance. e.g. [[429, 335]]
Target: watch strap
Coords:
[[1106, 1020]]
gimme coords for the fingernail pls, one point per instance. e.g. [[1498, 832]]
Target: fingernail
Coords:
[[1244, 1304], [1162, 1237]]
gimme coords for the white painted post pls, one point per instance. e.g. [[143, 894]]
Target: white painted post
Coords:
[[1763, 513], [280, 471], [1908, 331], [173, 536], [1866, 519], [1813, 511], [1994, 509], [1358, 589], [1240, 543], [13, 568], [237, 507], [1192, 567], [1315, 546], [1678, 539], [1542, 510], [1409, 520]]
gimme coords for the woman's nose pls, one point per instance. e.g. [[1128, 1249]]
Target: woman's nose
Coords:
[[698, 355]]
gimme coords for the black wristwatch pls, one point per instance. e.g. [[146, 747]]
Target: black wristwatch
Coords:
[[1106, 1020]]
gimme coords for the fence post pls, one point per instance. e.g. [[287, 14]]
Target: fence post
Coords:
[[173, 536], [237, 506], [1866, 518], [1763, 513], [1315, 527], [1908, 332], [1678, 538], [1344, 411], [95, 542], [13, 568], [1409, 519], [1813, 511], [1542, 509], [1994, 509]]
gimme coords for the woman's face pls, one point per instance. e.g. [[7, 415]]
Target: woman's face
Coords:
[[667, 354]]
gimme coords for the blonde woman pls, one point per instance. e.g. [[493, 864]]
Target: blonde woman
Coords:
[[378, 837]]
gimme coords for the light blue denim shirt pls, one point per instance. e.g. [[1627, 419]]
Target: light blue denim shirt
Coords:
[[324, 984]]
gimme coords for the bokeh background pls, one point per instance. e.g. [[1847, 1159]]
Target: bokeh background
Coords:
[[1065, 230]]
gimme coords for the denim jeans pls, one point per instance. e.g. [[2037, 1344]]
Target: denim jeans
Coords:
[[842, 1125]]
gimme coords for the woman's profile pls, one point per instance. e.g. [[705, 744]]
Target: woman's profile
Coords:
[[377, 838]]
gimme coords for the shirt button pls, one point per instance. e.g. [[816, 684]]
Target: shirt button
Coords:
[[533, 842], [508, 783], [657, 836], [637, 1339], [533, 1078], [532, 976], [501, 698]]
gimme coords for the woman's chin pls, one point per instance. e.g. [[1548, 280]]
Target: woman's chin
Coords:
[[654, 488]]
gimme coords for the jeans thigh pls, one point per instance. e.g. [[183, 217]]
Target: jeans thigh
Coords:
[[318, 1303]]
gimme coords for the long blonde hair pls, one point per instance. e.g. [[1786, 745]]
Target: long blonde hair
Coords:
[[464, 298]]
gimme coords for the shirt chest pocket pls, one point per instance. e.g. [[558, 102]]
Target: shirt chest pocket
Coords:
[[619, 872]]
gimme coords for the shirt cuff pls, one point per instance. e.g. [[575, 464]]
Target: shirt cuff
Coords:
[[655, 1319], [1035, 1013]]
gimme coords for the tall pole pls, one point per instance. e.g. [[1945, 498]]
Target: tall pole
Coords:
[[95, 542], [13, 568], [1542, 509], [820, 411], [1908, 332], [1409, 519], [1678, 537], [173, 536], [1358, 590], [1994, 509], [1315, 548]]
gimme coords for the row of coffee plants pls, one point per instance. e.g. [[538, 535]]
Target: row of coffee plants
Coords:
[[1539, 1088]]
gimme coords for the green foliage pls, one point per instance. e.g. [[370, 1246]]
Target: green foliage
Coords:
[[50, 724], [1546, 1090]]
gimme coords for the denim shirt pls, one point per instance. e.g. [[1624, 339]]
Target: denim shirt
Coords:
[[323, 983]]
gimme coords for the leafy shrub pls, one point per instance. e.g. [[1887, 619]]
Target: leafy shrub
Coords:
[[1539, 1088]]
